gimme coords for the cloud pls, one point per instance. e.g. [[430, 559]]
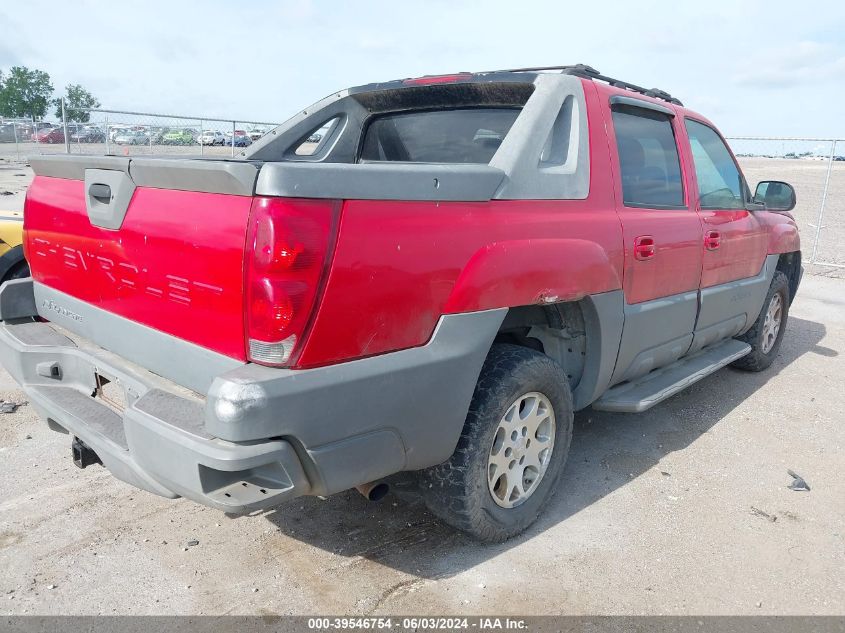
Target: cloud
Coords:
[[170, 48], [791, 65], [13, 51], [266, 59]]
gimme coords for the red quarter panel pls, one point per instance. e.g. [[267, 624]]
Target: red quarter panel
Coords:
[[397, 263]]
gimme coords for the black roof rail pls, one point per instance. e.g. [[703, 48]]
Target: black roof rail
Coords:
[[588, 72]]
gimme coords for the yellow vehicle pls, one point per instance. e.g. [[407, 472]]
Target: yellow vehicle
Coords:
[[12, 262]]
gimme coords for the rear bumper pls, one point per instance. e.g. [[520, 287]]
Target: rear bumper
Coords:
[[287, 433], [157, 442]]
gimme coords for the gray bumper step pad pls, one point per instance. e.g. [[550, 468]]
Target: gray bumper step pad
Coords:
[[645, 392]]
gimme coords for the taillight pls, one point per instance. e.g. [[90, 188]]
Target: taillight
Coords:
[[288, 247], [24, 240]]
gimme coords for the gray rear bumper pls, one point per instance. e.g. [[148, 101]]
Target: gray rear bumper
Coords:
[[157, 442], [287, 433]]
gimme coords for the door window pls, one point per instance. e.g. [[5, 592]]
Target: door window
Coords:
[[720, 183], [648, 158]]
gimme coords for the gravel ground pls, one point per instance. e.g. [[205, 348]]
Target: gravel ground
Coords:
[[683, 509], [15, 177], [808, 177]]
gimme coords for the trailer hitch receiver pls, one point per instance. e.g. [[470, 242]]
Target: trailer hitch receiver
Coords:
[[83, 455]]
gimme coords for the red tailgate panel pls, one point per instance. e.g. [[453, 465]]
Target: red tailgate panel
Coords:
[[175, 265]]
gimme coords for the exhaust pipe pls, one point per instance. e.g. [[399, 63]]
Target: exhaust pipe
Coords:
[[373, 491]]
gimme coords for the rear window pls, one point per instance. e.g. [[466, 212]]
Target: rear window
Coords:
[[470, 135]]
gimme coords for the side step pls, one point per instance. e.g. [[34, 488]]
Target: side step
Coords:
[[643, 393]]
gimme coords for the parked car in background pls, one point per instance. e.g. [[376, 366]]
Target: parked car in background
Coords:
[[88, 134], [132, 137], [49, 135], [179, 136], [37, 128], [7, 133], [256, 133], [76, 135], [25, 131], [237, 134], [212, 137], [115, 130], [243, 141], [157, 134]]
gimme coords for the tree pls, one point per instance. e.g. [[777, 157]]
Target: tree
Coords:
[[77, 100], [25, 93]]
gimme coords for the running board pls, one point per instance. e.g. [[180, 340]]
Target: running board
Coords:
[[643, 393]]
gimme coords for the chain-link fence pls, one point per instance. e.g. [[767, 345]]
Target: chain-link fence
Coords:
[[21, 137], [816, 169], [130, 133]]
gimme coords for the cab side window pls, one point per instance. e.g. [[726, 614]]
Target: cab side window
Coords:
[[648, 158], [720, 183]]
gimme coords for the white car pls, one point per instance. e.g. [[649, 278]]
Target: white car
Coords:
[[256, 133], [212, 137], [132, 137], [115, 131]]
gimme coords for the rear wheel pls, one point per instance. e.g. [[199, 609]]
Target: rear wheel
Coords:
[[512, 449], [18, 271], [766, 335]]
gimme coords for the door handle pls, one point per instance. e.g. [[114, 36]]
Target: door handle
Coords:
[[644, 247], [712, 240], [100, 191]]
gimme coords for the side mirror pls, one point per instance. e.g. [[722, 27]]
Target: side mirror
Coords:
[[776, 195]]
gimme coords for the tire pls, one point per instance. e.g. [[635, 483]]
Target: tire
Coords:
[[18, 271], [458, 491], [764, 342]]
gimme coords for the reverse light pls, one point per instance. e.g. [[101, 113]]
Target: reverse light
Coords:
[[289, 241]]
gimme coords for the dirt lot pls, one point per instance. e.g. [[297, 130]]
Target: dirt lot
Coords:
[[15, 177], [808, 177], [683, 509]]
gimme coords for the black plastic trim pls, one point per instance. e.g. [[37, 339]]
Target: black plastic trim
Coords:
[[639, 103]]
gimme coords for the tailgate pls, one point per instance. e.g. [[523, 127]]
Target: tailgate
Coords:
[[158, 242]]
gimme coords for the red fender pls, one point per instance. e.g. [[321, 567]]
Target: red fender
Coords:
[[523, 272], [784, 238]]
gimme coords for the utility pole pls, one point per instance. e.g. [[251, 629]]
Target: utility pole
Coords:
[[64, 125]]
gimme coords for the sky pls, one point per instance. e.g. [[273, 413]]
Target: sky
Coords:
[[754, 67]]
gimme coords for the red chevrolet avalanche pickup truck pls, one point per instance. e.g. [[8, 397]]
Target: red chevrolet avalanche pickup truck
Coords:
[[423, 276]]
